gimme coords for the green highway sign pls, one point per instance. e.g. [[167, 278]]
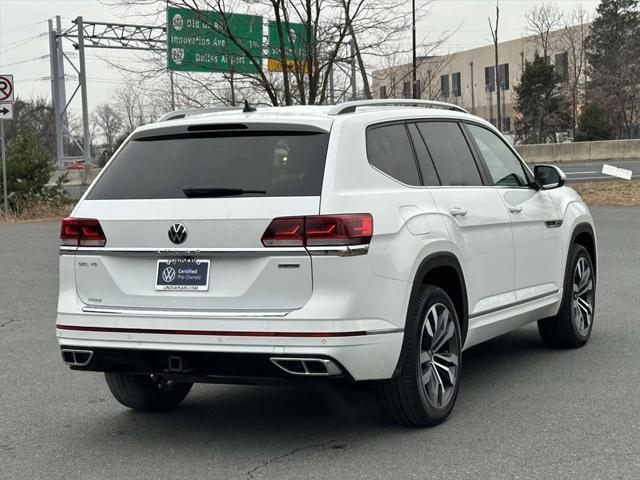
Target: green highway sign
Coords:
[[195, 42], [295, 45]]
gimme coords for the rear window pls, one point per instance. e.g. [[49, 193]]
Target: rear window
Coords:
[[282, 163]]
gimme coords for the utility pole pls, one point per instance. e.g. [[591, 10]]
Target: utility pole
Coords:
[[82, 78], [353, 69], [55, 94], [494, 35], [414, 73], [173, 92], [332, 94], [4, 173], [473, 90]]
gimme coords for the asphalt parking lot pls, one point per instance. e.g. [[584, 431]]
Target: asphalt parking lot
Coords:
[[524, 411]]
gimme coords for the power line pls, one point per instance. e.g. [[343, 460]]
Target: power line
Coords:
[[42, 57], [27, 25], [19, 43]]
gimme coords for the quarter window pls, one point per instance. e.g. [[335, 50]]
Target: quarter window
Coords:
[[504, 166], [389, 150], [450, 153]]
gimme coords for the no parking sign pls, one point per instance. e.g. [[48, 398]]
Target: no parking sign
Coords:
[[6, 88]]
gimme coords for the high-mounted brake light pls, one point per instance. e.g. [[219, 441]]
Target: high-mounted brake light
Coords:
[[319, 230], [82, 232]]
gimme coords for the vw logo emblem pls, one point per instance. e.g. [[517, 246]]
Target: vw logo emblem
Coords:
[[177, 233], [168, 274]]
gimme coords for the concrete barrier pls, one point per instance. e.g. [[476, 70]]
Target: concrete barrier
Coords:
[[581, 151]]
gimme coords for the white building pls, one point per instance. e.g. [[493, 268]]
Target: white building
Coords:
[[467, 78]]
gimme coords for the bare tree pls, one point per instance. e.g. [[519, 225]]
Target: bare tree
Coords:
[[109, 121], [540, 21], [572, 38], [377, 29], [494, 36], [132, 106]]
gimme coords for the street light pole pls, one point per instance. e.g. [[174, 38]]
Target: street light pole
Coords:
[[413, 32]]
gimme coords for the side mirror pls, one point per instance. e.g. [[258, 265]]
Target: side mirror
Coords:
[[549, 176]]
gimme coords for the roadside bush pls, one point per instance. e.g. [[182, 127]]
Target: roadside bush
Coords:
[[29, 170], [593, 125]]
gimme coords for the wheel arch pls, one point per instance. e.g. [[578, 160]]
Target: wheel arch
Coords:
[[441, 269], [583, 234]]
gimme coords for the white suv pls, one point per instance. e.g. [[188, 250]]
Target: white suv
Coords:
[[370, 240]]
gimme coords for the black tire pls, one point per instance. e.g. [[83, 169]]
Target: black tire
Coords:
[[567, 329], [405, 397], [144, 392]]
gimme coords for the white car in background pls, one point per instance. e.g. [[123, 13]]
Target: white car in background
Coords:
[[367, 241]]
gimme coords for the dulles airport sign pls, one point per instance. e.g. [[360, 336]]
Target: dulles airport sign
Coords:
[[206, 41]]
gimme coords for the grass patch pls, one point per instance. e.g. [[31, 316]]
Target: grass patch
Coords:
[[623, 193], [40, 212]]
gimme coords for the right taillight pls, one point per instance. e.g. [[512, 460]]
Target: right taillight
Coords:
[[82, 232], [319, 230]]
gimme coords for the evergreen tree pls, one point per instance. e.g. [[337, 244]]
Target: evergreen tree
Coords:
[[593, 125], [539, 103], [613, 53]]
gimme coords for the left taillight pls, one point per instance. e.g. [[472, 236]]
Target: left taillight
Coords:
[[82, 232]]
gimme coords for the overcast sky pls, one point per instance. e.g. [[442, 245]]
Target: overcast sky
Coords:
[[23, 39]]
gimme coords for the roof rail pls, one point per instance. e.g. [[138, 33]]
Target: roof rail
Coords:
[[178, 114], [350, 107]]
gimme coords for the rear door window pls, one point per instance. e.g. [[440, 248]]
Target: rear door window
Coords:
[[389, 150], [450, 153], [281, 163]]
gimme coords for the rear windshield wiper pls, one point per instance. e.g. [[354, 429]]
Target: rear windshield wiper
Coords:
[[207, 192]]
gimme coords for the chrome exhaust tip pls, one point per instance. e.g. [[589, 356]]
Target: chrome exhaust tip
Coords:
[[76, 358], [308, 367]]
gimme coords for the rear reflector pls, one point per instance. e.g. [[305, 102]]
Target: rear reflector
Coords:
[[82, 232], [319, 230]]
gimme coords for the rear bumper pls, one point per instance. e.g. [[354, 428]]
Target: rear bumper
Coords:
[[212, 367], [362, 354]]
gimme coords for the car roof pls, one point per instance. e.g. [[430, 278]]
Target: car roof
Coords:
[[313, 115]]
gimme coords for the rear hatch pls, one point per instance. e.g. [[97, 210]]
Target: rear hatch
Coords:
[[183, 210]]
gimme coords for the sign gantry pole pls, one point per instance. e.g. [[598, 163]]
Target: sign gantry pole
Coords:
[[4, 173], [82, 78]]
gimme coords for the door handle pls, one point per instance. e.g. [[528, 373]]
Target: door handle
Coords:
[[515, 208], [458, 212]]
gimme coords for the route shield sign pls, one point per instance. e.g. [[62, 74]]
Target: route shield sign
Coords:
[[195, 42], [6, 88], [295, 42]]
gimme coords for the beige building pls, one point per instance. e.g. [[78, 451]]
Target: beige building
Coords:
[[467, 78]]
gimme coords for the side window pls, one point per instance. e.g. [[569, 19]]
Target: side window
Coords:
[[450, 153], [389, 150], [429, 175], [504, 167]]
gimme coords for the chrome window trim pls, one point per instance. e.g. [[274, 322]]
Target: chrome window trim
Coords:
[[342, 251]]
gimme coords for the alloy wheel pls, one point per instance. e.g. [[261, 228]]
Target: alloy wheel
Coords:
[[439, 355], [582, 301]]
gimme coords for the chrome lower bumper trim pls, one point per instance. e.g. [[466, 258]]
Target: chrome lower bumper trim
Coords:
[[139, 312], [185, 252], [340, 251]]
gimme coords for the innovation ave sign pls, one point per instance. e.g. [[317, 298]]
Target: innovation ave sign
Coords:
[[196, 42]]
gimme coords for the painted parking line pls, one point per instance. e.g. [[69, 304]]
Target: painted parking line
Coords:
[[607, 177]]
